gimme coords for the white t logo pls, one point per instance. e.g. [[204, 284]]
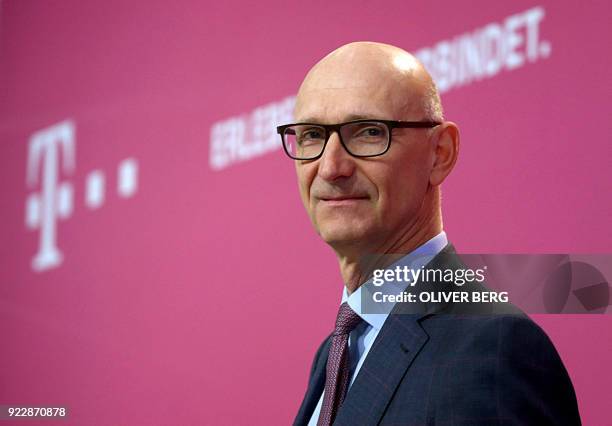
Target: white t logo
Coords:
[[54, 200]]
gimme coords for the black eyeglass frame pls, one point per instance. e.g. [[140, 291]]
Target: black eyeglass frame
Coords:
[[331, 128]]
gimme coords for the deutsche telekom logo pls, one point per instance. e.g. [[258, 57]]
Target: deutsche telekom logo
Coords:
[[51, 161]]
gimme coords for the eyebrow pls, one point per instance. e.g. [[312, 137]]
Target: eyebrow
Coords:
[[350, 117]]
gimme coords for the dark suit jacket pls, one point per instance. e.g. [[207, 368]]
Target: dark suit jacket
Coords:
[[476, 365]]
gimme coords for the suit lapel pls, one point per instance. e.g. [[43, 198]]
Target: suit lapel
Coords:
[[395, 348], [315, 386]]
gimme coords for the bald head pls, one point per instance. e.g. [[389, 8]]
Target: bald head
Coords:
[[382, 70], [380, 203]]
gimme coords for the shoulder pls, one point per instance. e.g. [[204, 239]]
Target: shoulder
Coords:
[[504, 335], [507, 360]]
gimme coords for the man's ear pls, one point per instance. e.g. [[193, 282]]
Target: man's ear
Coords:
[[446, 150]]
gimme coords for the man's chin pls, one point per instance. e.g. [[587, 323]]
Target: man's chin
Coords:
[[345, 229], [342, 236]]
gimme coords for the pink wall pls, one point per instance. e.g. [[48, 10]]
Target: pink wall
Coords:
[[186, 301]]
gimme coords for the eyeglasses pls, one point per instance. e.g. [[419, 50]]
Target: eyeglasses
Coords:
[[360, 138]]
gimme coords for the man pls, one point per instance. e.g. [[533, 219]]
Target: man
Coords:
[[371, 150]]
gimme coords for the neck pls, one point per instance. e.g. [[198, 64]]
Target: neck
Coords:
[[358, 261]]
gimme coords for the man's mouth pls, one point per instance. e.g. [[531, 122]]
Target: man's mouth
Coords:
[[343, 200]]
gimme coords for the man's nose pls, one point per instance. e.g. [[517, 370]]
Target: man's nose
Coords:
[[335, 161]]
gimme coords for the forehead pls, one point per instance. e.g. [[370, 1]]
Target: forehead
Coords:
[[342, 97]]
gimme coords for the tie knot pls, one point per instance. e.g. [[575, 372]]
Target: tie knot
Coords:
[[347, 320]]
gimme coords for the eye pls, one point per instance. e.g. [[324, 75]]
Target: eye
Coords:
[[311, 134], [373, 131], [370, 132]]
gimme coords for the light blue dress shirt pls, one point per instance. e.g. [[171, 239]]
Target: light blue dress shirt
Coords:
[[363, 336]]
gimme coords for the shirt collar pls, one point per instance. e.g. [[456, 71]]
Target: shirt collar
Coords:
[[416, 258]]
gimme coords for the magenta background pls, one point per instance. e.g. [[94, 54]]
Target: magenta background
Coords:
[[190, 303]]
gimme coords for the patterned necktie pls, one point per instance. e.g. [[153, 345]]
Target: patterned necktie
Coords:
[[337, 374]]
